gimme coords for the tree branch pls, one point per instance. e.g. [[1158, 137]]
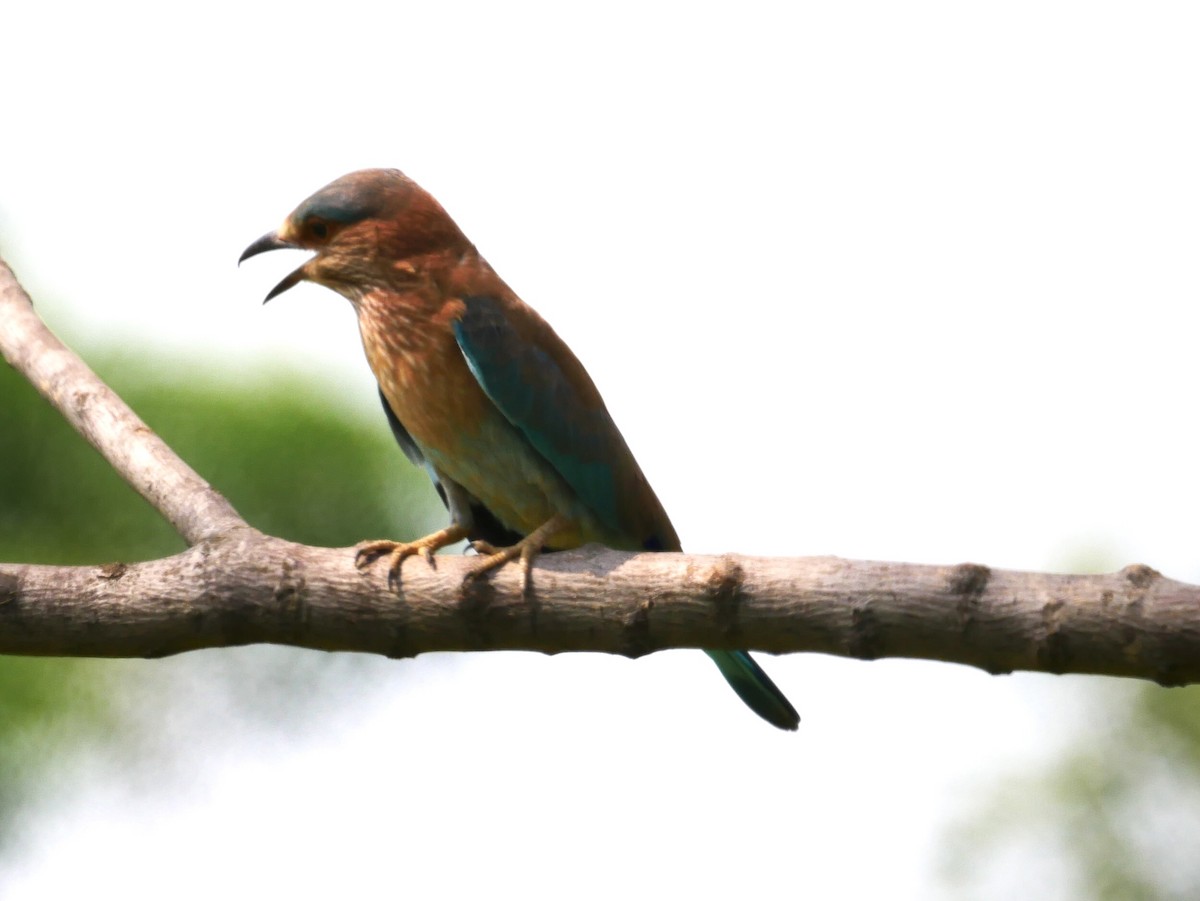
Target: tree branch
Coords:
[[141, 458], [237, 586], [251, 588]]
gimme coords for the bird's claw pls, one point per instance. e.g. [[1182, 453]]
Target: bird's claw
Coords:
[[395, 551], [495, 557], [524, 551], [366, 552]]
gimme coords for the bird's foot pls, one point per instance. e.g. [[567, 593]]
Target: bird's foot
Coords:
[[525, 550], [366, 552]]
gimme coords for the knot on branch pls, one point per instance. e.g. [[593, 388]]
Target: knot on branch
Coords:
[[112, 571], [1140, 575], [967, 583], [1054, 650], [636, 632], [724, 588]]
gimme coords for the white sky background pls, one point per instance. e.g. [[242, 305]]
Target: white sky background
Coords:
[[890, 281]]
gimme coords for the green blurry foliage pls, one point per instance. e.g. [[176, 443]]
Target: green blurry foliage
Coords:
[[1116, 817], [277, 448]]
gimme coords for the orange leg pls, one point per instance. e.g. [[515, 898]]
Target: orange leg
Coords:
[[396, 551], [526, 549]]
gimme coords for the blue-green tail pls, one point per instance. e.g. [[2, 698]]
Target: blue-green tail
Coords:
[[755, 688]]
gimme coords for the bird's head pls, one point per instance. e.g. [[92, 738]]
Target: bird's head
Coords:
[[367, 229]]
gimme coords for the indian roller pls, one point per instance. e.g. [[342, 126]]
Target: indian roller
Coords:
[[481, 393]]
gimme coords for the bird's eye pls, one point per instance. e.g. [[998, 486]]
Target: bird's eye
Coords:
[[318, 229]]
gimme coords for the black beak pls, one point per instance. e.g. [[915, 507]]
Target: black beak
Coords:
[[269, 241], [272, 241]]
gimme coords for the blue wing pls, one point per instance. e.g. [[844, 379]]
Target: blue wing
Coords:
[[542, 389]]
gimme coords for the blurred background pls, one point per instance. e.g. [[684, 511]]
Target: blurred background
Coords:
[[911, 282]]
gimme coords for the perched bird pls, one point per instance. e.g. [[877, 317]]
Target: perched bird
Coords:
[[482, 393]]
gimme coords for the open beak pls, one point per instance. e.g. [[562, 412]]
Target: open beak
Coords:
[[272, 241]]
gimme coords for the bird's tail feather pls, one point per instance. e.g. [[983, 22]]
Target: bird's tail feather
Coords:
[[755, 688]]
